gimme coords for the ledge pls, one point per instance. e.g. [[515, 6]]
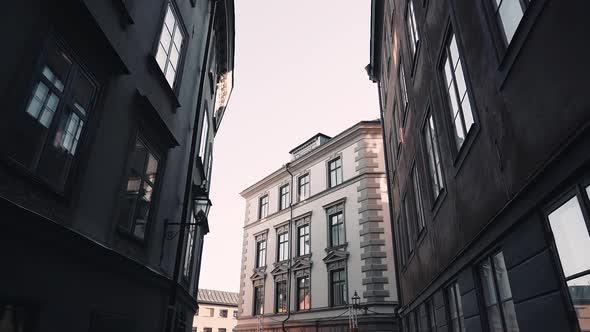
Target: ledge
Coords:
[[165, 86]]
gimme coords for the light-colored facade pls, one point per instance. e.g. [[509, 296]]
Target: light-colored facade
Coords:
[[217, 311], [340, 229]]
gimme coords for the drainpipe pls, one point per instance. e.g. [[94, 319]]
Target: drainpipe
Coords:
[[290, 250], [186, 204], [390, 199]]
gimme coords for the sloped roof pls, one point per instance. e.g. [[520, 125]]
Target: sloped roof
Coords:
[[217, 297]]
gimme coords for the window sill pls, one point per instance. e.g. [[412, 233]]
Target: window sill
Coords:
[[342, 246], [162, 79]]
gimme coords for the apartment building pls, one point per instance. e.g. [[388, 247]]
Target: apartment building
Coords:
[[486, 119], [317, 241], [218, 311], [109, 113]]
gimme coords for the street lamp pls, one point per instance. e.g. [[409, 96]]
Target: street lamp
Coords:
[[356, 300], [201, 206]]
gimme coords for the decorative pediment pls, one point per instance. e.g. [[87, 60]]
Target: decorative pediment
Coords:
[[303, 220], [302, 263], [280, 268], [336, 259], [335, 207], [282, 228], [259, 274]]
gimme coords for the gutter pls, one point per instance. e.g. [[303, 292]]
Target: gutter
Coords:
[[290, 249]]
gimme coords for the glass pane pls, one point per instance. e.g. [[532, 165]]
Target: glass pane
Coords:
[[170, 74], [459, 133], [174, 57], [452, 302], [453, 97], [34, 107], [502, 277], [467, 112], [82, 91], [494, 319], [152, 168], [579, 290], [454, 51], [41, 91], [571, 237], [177, 37], [169, 20], [461, 86], [510, 15], [487, 283], [510, 316], [161, 57], [448, 72]]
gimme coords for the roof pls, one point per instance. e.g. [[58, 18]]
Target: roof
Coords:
[[314, 137], [217, 297]]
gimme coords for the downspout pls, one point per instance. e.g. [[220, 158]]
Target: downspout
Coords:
[[186, 204], [290, 249], [390, 200]]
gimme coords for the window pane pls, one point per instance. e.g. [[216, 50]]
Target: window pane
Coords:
[[461, 86], [454, 51], [494, 319], [448, 72], [459, 133], [502, 277], [579, 290], [571, 237], [467, 112], [487, 282], [510, 316], [510, 15]]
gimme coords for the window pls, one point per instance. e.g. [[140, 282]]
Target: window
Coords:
[[283, 254], [412, 322], [281, 296], [403, 88], [284, 201], [209, 162], [456, 88], [235, 314], [509, 13], [204, 137], [420, 223], [223, 313], [569, 226], [207, 329], [189, 249], [413, 35], [263, 210], [170, 46], [261, 253], [409, 229], [138, 195], [433, 153], [335, 167], [193, 329], [303, 187], [304, 240], [497, 294], [455, 308], [258, 300], [221, 329], [337, 237], [50, 129], [431, 316], [303, 293], [338, 287]]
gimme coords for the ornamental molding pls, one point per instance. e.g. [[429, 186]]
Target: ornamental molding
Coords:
[[336, 206], [302, 263], [336, 259], [261, 236]]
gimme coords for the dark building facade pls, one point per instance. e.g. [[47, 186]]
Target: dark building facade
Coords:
[[109, 113], [486, 121]]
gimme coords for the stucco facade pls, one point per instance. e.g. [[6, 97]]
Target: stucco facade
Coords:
[[359, 195], [217, 312]]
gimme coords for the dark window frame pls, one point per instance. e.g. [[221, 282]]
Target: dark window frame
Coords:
[[300, 236], [306, 290], [337, 170], [280, 306], [175, 87], [301, 185], [343, 282], [261, 253], [340, 227], [141, 137], [263, 206], [431, 143], [258, 300], [286, 202], [413, 45], [223, 313], [458, 306], [282, 246]]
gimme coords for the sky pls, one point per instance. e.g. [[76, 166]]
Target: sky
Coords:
[[299, 70]]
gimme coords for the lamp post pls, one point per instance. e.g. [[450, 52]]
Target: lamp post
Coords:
[[201, 205]]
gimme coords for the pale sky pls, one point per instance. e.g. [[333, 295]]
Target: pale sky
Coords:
[[299, 70]]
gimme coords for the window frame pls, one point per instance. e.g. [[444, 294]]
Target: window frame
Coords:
[[412, 32], [307, 176], [299, 236], [575, 191], [496, 18], [258, 303], [223, 313], [280, 246], [337, 172], [263, 206], [344, 282], [261, 253], [77, 66], [499, 302], [431, 142], [341, 227], [404, 99], [307, 287], [454, 287], [286, 195], [277, 300], [417, 197], [141, 137], [182, 53]]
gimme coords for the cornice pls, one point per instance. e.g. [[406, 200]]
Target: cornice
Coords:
[[347, 136]]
